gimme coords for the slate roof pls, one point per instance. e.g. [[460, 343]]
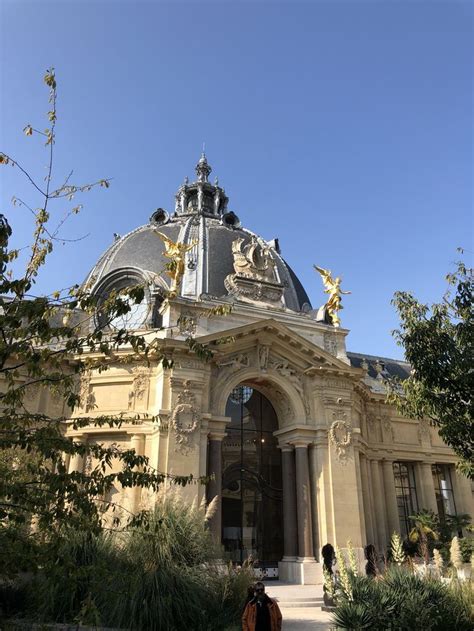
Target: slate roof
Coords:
[[391, 367]]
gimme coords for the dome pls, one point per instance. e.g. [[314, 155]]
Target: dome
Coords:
[[217, 239]]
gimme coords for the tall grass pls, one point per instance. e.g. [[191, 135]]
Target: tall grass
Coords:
[[163, 575], [404, 601]]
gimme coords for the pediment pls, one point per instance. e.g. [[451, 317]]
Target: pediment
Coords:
[[271, 342]]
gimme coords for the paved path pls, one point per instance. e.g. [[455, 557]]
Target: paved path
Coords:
[[300, 606]]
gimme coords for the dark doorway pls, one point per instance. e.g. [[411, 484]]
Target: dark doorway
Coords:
[[251, 485]]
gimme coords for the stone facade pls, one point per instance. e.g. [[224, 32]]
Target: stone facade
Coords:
[[340, 443]]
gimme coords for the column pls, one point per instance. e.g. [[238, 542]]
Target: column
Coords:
[[462, 488], [368, 510], [133, 493], [393, 521], [76, 461], [428, 495], [379, 505], [303, 498], [290, 530], [214, 487]]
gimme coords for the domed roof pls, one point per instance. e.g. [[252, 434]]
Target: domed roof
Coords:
[[201, 219]]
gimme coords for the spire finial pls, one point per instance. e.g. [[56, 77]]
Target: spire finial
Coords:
[[203, 169]]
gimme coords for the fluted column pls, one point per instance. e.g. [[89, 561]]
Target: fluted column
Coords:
[[393, 520], [290, 530], [214, 487], [303, 497], [427, 487], [379, 505]]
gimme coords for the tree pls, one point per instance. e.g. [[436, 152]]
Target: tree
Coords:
[[438, 343], [49, 342]]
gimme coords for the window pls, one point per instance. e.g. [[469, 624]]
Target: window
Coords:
[[444, 490], [405, 487]]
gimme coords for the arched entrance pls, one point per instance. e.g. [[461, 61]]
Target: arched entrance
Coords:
[[252, 522]]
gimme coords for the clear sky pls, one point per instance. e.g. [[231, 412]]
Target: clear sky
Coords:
[[343, 128]]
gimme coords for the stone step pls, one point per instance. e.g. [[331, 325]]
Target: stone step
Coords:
[[300, 605]]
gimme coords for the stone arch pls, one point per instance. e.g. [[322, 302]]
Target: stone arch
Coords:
[[284, 397]]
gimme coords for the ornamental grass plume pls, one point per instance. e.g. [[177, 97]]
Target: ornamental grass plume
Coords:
[[344, 578], [352, 558], [396, 547], [438, 562], [455, 554]]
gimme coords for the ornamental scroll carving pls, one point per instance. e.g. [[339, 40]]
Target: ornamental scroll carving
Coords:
[[139, 388], [340, 434], [184, 419]]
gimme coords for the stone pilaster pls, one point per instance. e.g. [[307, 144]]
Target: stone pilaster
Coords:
[[393, 522], [214, 487], [290, 530], [428, 496], [379, 506], [367, 500]]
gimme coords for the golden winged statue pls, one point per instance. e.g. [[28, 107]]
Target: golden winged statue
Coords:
[[175, 251], [332, 286]]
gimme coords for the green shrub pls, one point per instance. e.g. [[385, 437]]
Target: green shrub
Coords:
[[403, 601], [467, 548], [163, 575]]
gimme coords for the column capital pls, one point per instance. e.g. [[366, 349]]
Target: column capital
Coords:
[[285, 447], [301, 444], [216, 436]]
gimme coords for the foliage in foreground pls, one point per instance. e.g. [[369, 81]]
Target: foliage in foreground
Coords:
[[161, 575], [438, 342], [404, 601]]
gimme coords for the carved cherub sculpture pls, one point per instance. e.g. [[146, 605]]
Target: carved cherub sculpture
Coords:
[[332, 286], [175, 252]]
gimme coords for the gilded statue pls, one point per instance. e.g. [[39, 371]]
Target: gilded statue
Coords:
[[332, 286], [175, 251]]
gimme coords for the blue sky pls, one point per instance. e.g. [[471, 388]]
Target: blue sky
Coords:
[[343, 128]]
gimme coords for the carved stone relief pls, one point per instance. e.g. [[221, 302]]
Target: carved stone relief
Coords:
[[184, 419], [388, 430], [424, 432], [340, 435], [330, 343], [263, 353], [255, 274], [236, 362], [87, 397], [187, 324], [139, 389]]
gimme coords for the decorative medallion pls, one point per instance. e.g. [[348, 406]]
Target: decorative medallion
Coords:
[[184, 419], [340, 434]]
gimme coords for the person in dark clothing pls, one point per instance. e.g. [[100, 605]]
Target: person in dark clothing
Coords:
[[261, 613]]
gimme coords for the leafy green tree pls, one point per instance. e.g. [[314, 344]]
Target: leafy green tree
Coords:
[[438, 341], [47, 342]]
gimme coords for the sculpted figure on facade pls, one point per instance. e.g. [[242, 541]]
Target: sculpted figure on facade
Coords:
[[332, 286], [175, 252], [236, 362]]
